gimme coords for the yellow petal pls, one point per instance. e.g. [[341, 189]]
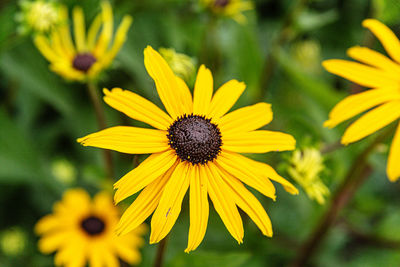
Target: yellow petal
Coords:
[[355, 104], [144, 204], [359, 73], [46, 224], [225, 98], [246, 119], [258, 142], [223, 203], [79, 29], [372, 122], [266, 171], [166, 82], [127, 253], [95, 258], [170, 203], [93, 31], [107, 31], [248, 203], [393, 166], [203, 90], [110, 259], [242, 168], [137, 108], [187, 101], [127, 139], [149, 170], [119, 40], [43, 45], [77, 200], [198, 207], [52, 242], [373, 58], [385, 36], [64, 30]]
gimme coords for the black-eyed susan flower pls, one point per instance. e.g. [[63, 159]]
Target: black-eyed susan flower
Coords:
[[229, 8], [305, 168], [197, 146], [40, 16], [91, 52], [382, 102], [81, 230]]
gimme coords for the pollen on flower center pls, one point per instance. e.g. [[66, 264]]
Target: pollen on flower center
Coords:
[[221, 3], [83, 61], [93, 225], [195, 139]]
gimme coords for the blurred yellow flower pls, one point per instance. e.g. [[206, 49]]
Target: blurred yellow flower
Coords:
[[382, 102], [81, 230], [181, 64], [306, 165], [38, 16], [195, 145], [13, 242], [91, 53], [229, 8], [64, 171]]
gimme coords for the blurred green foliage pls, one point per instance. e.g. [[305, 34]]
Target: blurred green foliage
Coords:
[[41, 116]]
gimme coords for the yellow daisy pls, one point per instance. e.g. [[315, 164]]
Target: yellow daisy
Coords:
[[90, 53], [195, 145], [382, 101], [229, 8], [81, 230]]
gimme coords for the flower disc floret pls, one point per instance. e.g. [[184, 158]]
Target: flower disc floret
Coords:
[[83, 61], [93, 225], [195, 139]]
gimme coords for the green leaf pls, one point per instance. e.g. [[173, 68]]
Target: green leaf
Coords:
[[203, 258]]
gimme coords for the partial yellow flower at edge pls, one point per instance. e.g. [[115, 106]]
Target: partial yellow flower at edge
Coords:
[[306, 166], [229, 8], [82, 230], [382, 102], [196, 146], [92, 52]]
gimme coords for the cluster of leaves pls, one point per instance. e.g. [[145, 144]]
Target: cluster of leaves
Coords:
[[277, 54]]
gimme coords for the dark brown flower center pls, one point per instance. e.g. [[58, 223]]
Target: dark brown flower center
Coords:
[[83, 61], [221, 3], [93, 225], [195, 139]]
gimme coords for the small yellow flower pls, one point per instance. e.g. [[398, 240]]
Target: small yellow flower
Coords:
[[91, 53], [229, 8], [181, 64], [196, 145], [64, 171], [305, 168], [82, 231], [13, 242], [39, 16], [381, 102]]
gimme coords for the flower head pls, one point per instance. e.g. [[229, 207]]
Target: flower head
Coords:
[[306, 166], [382, 102], [81, 230], [181, 64], [196, 145], [91, 53], [229, 8], [39, 16]]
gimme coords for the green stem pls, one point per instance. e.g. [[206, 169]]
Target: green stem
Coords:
[[355, 177], [161, 252], [101, 121]]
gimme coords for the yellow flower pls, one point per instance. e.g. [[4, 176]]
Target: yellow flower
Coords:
[[229, 8], [91, 53], [81, 230], [181, 64], [38, 16], [195, 145], [305, 168], [382, 101]]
